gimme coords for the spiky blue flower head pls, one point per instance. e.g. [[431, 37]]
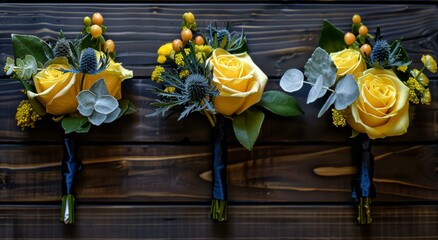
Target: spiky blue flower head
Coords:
[[62, 48], [380, 53], [221, 34], [88, 61], [197, 87]]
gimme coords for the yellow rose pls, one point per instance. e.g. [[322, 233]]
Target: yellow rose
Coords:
[[382, 108], [239, 81], [57, 90], [348, 61]]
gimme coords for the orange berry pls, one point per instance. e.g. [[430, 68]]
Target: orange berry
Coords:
[[363, 30], [365, 50], [349, 38], [96, 31], [199, 40], [109, 45], [356, 19], [97, 18], [186, 34], [177, 44]]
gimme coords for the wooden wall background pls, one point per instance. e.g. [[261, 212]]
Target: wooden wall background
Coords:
[[149, 178]]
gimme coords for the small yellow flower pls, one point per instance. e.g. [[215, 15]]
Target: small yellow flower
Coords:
[[429, 62], [26, 115], [414, 84], [426, 98], [161, 59], [402, 68], [338, 118], [179, 60], [169, 89], [421, 77], [156, 74], [413, 98], [164, 52], [184, 73]]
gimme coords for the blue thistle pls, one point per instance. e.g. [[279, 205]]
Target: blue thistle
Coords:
[[380, 54], [88, 61], [197, 87]]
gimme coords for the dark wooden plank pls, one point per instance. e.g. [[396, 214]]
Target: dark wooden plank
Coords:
[[245, 222], [280, 35], [165, 173], [140, 129]]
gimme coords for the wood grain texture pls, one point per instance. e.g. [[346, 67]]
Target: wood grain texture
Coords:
[[246, 222], [163, 173], [150, 177], [280, 35]]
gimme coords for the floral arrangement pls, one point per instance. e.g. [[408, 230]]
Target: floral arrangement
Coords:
[[212, 74], [76, 83], [372, 89]]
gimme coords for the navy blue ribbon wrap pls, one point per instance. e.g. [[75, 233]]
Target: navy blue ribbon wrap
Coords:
[[220, 156], [363, 185], [71, 164]]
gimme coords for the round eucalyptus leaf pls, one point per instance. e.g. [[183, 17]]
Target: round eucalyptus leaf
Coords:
[[315, 91], [292, 80], [106, 104], [87, 99]]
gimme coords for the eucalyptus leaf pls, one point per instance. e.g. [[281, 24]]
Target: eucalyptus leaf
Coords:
[[86, 99], [280, 103], [327, 104], [346, 91], [111, 117], [31, 63], [31, 45], [9, 66], [292, 80], [106, 104], [70, 124], [247, 127], [97, 118], [331, 38], [315, 91], [99, 88], [85, 111], [320, 64]]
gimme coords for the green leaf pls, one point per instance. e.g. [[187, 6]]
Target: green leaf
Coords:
[[31, 45], [331, 38], [70, 124], [36, 105], [127, 107], [247, 127], [280, 103], [84, 128]]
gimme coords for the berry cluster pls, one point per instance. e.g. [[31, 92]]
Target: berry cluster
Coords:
[[188, 33], [94, 26]]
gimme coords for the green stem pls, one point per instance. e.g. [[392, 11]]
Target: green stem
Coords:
[[68, 209], [310, 83], [421, 71], [364, 211], [211, 119], [82, 81], [219, 210]]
